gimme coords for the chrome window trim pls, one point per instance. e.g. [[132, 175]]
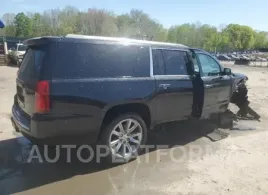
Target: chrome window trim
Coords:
[[151, 62], [172, 77], [171, 49]]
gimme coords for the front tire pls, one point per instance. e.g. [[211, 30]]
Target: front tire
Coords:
[[123, 137]]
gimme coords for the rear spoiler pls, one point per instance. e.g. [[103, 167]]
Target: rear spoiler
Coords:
[[41, 40]]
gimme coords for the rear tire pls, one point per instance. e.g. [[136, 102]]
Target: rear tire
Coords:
[[123, 137]]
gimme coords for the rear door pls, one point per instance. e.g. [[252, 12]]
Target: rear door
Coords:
[[28, 76], [217, 86], [174, 95]]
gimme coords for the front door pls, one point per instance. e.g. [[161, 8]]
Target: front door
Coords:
[[217, 86]]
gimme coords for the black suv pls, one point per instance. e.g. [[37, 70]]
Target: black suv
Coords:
[[97, 90]]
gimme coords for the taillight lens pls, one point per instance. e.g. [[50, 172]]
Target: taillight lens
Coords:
[[42, 100]]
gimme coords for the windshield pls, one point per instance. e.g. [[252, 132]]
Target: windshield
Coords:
[[22, 47]]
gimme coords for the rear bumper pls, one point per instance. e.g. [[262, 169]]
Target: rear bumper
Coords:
[[53, 131], [20, 123]]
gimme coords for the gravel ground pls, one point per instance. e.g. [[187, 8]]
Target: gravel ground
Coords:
[[192, 164]]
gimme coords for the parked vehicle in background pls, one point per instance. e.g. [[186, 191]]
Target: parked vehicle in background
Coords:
[[244, 57], [252, 58], [214, 55], [261, 59], [111, 91], [11, 49], [20, 51], [234, 57], [16, 54], [223, 58]]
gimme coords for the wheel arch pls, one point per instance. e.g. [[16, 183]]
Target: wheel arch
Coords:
[[115, 111]]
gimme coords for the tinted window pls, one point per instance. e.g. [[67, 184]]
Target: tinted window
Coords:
[[209, 65], [175, 62], [95, 60], [196, 67], [31, 64], [158, 62]]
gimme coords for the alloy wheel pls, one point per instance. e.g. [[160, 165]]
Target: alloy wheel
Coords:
[[126, 138]]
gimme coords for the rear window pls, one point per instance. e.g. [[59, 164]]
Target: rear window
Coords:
[[31, 64], [175, 62], [82, 60]]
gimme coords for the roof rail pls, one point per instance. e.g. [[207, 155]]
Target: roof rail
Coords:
[[94, 37], [120, 39]]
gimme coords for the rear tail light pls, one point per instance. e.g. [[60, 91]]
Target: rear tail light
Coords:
[[42, 100]]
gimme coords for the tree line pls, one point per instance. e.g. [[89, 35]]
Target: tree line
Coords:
[[136, 24]]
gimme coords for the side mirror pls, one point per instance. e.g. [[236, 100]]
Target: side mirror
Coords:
[[227, 71]]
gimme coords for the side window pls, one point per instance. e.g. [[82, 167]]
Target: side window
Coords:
[[83, 60], [175, 62], [158, 62], [209, 66], [142, 68]]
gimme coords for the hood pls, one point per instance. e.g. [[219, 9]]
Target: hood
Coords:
[[237, 78], [240, 76]]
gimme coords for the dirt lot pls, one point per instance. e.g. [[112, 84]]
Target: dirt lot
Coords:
[[192, 164]]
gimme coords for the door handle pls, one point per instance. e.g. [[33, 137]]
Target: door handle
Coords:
[[217, 79], [208, 86], [164, 86]]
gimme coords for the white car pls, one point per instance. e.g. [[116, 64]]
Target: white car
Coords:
[[20, 51]]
